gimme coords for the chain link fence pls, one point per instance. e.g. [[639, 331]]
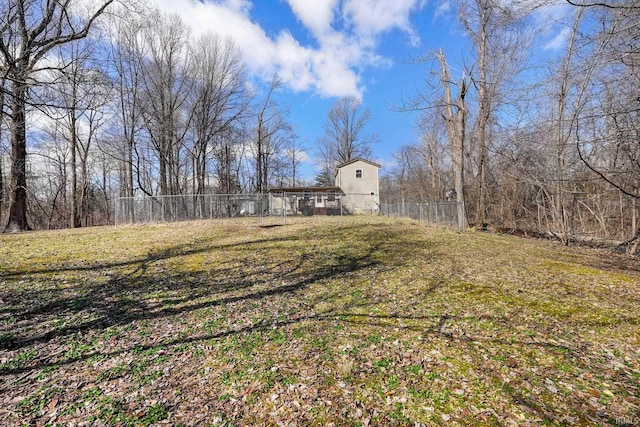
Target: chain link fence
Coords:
[[276, 205], [132, 210], [435, 213]]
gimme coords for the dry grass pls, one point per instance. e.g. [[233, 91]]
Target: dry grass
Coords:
[[360, 321]]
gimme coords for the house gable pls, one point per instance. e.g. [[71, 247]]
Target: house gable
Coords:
[[358, 178]]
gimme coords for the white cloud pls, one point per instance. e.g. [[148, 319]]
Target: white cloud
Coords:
[[559, 41], [443, 9], [553, 12], [317, 15], [331, 67], [546, 19], [374, 17], [552, 23]]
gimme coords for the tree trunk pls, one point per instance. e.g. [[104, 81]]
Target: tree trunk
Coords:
[[1, 184], [17, 220], [75, 217], [259, 155], [455, 118], [1, 156], [484, 112], [458, 153]]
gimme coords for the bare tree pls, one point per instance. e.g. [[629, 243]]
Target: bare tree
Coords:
[[628, 5], [498, 50], [50, 179], [126, 52], [271, 131], [81, 90], [30, 30], [619, 58], [295, 155], [455, 114], [2, 122], [165, 88], [227, 160], [218, 102], [107, 167], [344, 126], [606, 131], [433, 153]]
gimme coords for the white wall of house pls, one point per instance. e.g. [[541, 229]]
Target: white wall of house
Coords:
[[359, 180]]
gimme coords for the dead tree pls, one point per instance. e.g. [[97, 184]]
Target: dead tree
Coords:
[[454, 114]]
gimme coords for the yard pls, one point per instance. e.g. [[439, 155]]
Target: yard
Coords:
[[353, 321]]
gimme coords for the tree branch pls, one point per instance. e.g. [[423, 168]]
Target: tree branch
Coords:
[[605, 5]]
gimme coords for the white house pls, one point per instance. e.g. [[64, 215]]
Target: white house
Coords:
[[358, 180], [356, 191]]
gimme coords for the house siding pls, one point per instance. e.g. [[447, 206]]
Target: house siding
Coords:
[[362, 193]]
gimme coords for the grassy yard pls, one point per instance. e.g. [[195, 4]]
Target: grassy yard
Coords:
[[359, 321]]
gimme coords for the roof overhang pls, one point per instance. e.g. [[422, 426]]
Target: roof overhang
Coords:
[[302, 190], [357, 159]]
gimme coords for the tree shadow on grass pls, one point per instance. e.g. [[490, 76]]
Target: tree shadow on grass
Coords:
[[582, 356], [149, 291], [141, 264], [125, 294]]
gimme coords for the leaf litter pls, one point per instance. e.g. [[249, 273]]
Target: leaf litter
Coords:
[[358, 321]]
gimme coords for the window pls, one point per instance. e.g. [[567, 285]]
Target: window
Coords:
[[358, 173], [318, 197], [331, 196], [307, 194]]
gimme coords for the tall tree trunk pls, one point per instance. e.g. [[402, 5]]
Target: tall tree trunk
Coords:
[[455, 117], [1, 185], [30, 30], [458, 153], [75, 217], [1, 156], [484, 112], [562, 133], [17, 220], [259, 153]]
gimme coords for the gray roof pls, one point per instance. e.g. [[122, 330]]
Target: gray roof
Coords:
[[358, 159], [303, 189]]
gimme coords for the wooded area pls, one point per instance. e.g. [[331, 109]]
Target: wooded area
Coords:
[[546, 147], [106, 103]]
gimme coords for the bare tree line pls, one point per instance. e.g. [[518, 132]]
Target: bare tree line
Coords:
[[551, 148], [131, 104], [127, 103]]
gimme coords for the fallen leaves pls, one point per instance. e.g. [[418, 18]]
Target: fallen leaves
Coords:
[[361, 320]]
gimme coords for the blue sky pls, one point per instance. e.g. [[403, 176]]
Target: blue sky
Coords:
[[325, 49]]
